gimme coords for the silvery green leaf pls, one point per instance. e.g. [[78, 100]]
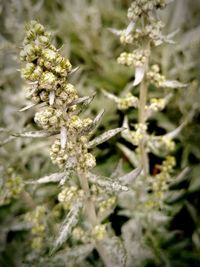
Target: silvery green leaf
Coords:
[[52, 178], [80, 100], [130, 28], [116, 250], [63, 136], [115, 31], [175, 133], [129, 154], [139, 75], [109, 185], [74, 70], [130, 177], [51, 97], [118, 170], [104, 137], [68, 224], [173, 84], [97, 119], [36, 134], [75, 254], [110, 96], [28, 107]]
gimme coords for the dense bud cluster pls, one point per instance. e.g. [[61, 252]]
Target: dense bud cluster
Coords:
[[156, 104], [155, 77], [137, 58], [70, 195], [126, 102], [160, 183], [11, 188], [49, 118], [48, 71], [139, 133], [107, 204], [44, 64], [140, 7], [38, 226]]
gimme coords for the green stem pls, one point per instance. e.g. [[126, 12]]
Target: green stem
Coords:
[[91, 215]]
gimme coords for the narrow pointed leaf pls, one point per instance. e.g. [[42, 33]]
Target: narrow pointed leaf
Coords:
[[115, 31], [7, 140], [173, 84], [104, 137], [63, 137], [51, 97], [36, 134], [110, 185], [53, 178], [130, 177], [68, 224], [110, 96], [27, 107], [129, 154], [130, 28], [139, 75]]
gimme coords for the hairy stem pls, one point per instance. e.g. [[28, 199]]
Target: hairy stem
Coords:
[[92, 217], [142, 120]]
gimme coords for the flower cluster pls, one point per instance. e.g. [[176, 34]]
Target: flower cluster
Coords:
[[11, 187], [139, 133], [69, 195], [38, 226], [160, 183], [126, 102], [140, 7], [137, 58], [155, 77], [48, 73]]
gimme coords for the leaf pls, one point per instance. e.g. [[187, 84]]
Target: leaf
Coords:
[[130, 28], [109, 185], [130, 177], [52, 178], [36, 134], [130, 155], [51, 97], [68, 224], [28, 107], [63, 137], [115, 31], [110, 96], [104, 137], [173, 84], [80, 100], [74, 254], [117, 251], [139, 75]]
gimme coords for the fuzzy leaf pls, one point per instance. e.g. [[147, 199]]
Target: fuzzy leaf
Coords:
[[115, 31], [139, 75], [109, 185], [130, 28], [80, 100], [52, 178], [75, 254], [117, 251], [110, 96], [130, 177], [27, 107], [173, 84], [129, 154], [36, 134], [51, 97], [63, 137], [68, 224], [104, 137]]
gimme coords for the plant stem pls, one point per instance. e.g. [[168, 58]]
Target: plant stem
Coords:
[[142, 120], [92, 217]]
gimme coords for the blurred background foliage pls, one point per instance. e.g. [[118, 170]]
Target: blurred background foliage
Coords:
[[81, 31]]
